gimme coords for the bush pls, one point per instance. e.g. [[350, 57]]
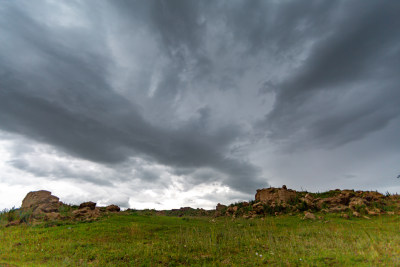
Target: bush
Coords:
[[24, 216], [11, 215]]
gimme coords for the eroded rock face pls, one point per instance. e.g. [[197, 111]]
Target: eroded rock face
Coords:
[[268, 195], [40, 202]]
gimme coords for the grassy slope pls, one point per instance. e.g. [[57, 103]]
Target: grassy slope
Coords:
[[123, 240]]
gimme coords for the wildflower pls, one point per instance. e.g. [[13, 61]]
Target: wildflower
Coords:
[[256, 253]]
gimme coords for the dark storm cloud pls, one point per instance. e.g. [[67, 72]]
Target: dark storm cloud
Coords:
[[348, 87], [64, 99], [332, 66]]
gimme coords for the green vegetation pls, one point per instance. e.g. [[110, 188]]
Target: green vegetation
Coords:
[[133, 239]]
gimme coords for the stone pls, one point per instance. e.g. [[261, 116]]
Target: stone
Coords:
[[356, 214], [338, 208], [281, 195], [86, 214], [345, 215], [309, 216], [372, 196], [309, 200], [356, 202], [258, 208], [89, 204], [113, 208], [373, 212], [40, 202]]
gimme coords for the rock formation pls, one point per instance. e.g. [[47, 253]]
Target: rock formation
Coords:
[[277, 195], [43, 206], [274, 201], [40, 202], [113, 208]]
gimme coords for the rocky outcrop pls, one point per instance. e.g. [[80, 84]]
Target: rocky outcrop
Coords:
[[113, 208], [40, 202], [43, 206], [277, 195], [275, 201]]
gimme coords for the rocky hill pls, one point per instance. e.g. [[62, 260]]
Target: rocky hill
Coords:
[[275, 201], [39, 206]]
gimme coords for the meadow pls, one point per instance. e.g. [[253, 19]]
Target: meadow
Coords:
[[135, 239]]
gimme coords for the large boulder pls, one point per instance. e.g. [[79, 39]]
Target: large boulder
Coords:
[[279, 195], [40, 202]]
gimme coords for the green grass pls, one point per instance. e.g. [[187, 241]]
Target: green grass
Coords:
[[136, 240]]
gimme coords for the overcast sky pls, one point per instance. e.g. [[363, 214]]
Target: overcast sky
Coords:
[[164, 104]]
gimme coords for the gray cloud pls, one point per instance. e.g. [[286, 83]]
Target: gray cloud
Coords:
[[207, 90], [76, 110], [348, 87]]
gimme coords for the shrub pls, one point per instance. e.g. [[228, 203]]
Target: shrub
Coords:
[[11, 215], [24, 216]]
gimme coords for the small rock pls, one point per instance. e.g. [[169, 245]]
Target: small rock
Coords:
[[345, 215], [309, 216], [356, 214], [373, 212]]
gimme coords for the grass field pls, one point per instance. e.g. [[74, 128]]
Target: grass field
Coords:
[[136, 240]]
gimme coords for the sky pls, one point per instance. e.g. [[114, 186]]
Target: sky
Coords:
[[167, 104]]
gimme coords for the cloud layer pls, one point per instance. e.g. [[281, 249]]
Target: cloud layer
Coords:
[[188, 95]]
